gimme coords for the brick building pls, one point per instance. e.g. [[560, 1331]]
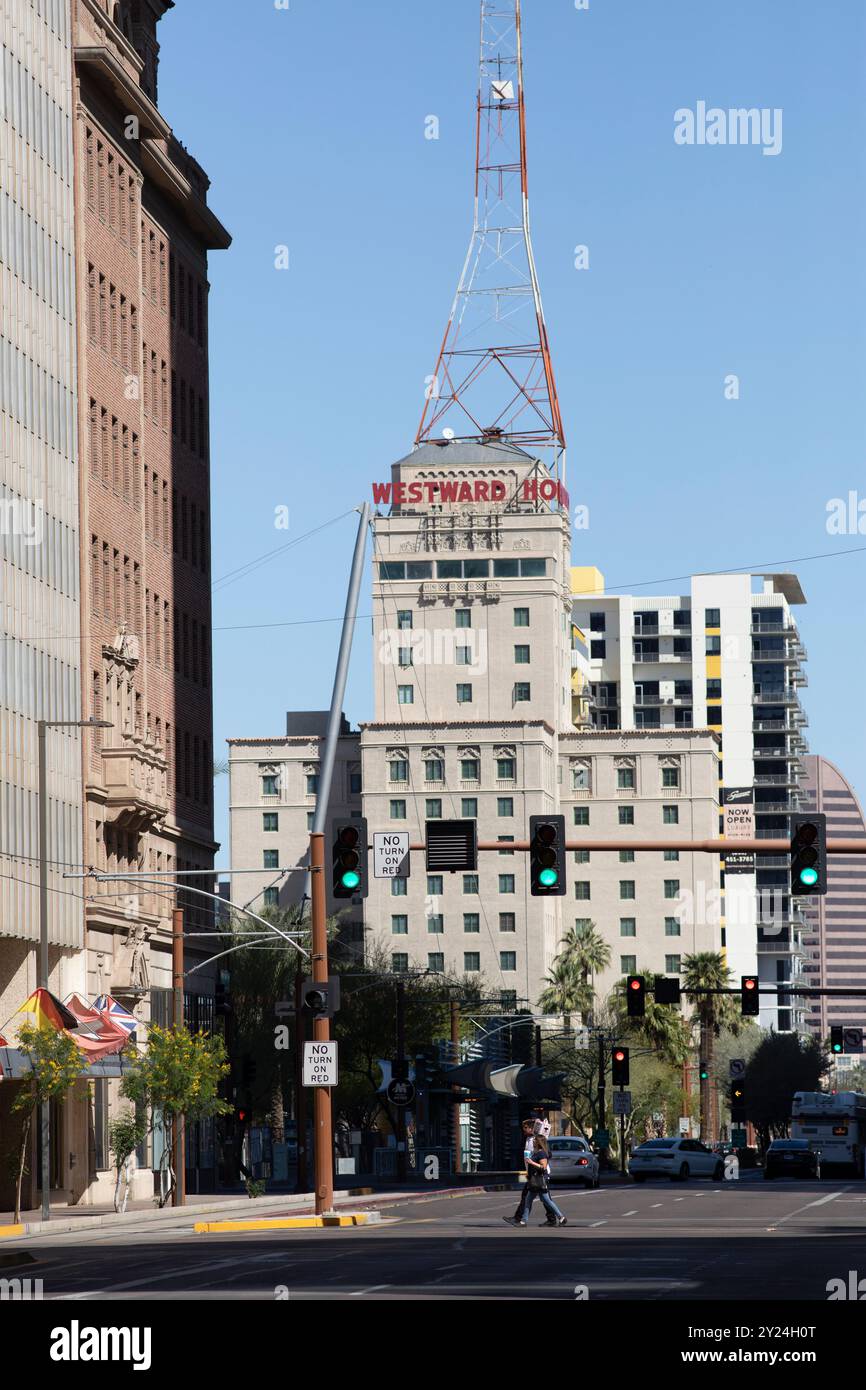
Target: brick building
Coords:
[[143, 231]]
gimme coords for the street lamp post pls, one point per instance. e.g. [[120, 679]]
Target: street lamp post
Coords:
[[42, 726]]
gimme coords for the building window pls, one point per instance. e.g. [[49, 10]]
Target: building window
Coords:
[[464, 657], [505, 769], [672, 888], [628, 965], [434, 884], [506, 883], [463, 617], [398, 887], [581, 815], [354, 784], [507, 921], [670, 815], [504, 839], [598, 650], [580, 778], [508, 960], [672, 965], [436, 923], [270, 787], [400, 925], [272, 897], [626, 888], [672, 926], [469, 807], [404, 620], [404, 657], [405, 694], [471, 962], [625, 778], [521, 656], [398, 810], [270, 859], [626, 856], [670, 777], [581, 856], [672, 855], [434, 770], [714, 646], [436, 962], [312, 783], [581, 889], [270, 820], [399, 962], [521, 617], [505, 805], [464, 694], [311, 817], [712, 617], [521, 692], [714, 690], [628, 926], [471, 922], [470, 883], [597, 622], [626, 815], [469, 769], [433, 807]]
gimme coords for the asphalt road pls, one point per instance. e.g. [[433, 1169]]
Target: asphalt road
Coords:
[[745, 1240]]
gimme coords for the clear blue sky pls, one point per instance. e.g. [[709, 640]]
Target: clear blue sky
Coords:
[[704, 261]]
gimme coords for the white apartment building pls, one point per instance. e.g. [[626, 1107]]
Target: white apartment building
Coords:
[[725, 655], [40, 667]]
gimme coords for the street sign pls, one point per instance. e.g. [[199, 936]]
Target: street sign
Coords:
[[685, 1124], [601, 1138], [285, 1008], [320, 1064], [739, 813], [737, 1068], [391, 854], [739, 861], [622, 1102], [400, 1092], [852, 1039]]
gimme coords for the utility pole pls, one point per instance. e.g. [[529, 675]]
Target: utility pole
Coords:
[[455, 1090], [401, 1060], [300, 1092], [621, 1138], [323, 1123], [178, 1137], [602, 1087]]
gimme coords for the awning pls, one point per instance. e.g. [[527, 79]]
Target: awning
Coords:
[[15, 1065], [515, 1081]]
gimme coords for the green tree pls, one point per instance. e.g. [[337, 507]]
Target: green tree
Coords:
[[586, 949], [712, 1013], [781, 1064], [125, 1132], [178, 1078], [662, 1027], [566, 991], [56, 1062]]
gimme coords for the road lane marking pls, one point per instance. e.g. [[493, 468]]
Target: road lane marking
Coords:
[[359, 1293], [658, 1204], [821, 1201], [598, 1223], [630, 1213]]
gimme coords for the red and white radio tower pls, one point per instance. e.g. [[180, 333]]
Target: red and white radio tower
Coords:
[[494, 377]]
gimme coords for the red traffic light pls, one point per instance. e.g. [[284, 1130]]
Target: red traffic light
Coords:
[[619, 1055], [634, 984], [750, 1004], [636, 996]]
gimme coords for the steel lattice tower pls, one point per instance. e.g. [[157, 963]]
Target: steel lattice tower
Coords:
[[494, 376]]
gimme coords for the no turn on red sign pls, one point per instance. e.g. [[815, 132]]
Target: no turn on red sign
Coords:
[[320, 1064]]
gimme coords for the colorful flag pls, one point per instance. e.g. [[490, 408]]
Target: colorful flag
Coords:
[[116, 1013], [47, 1011]]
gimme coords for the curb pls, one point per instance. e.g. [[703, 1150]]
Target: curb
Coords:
[[9, 1231], [9, 1258], [290, 1223]]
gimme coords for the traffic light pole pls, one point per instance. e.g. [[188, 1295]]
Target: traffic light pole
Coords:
[[602, 1086], [622, 1138], [455, 1090], [401, 1058], [178, 1136], [300, 1092], [323, 1124]]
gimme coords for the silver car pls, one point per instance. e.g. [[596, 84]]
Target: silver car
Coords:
[[677, 1159], [572, 1160]]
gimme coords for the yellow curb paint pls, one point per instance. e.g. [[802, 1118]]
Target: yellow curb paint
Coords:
[[282, 1223], [6, 1231]]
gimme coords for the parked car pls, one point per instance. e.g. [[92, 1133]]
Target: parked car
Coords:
[[791, 1158], [748, 1156], [572, 1160], [677, 1159]]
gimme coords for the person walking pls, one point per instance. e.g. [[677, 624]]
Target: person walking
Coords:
[[538, 1183], [519, 1217]]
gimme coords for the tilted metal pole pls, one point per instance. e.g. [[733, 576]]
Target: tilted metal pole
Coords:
[[43, 953]]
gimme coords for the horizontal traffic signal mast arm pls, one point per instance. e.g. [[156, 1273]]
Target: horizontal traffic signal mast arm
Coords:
[[696, 846]]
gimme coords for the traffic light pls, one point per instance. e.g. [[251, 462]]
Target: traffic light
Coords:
[[635, 996], [750, 1001], [703, 1071], [349, 859], [737, 1101], [808, 855], [837, 1041], [546, 856], [619, 1066], [667, 990]]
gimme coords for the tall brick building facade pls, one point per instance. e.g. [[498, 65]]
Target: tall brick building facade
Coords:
[[143, 231]]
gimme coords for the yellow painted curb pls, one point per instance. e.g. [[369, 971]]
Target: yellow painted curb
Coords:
[[11, 1231], [282, 1223]]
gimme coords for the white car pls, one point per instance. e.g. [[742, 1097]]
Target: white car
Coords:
[[677, 1159], [572, 1160]]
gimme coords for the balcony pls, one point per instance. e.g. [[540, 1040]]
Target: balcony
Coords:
[[135, 775], [769, 629], [775, 695]]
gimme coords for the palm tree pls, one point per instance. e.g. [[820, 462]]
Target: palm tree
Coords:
[[566, 991], [587, 950], [712, 1013], [662, 1027]]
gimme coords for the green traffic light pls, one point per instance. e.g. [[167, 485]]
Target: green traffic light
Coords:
[[837, 1047], [350, 879], [809, 877], [548, 877]]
